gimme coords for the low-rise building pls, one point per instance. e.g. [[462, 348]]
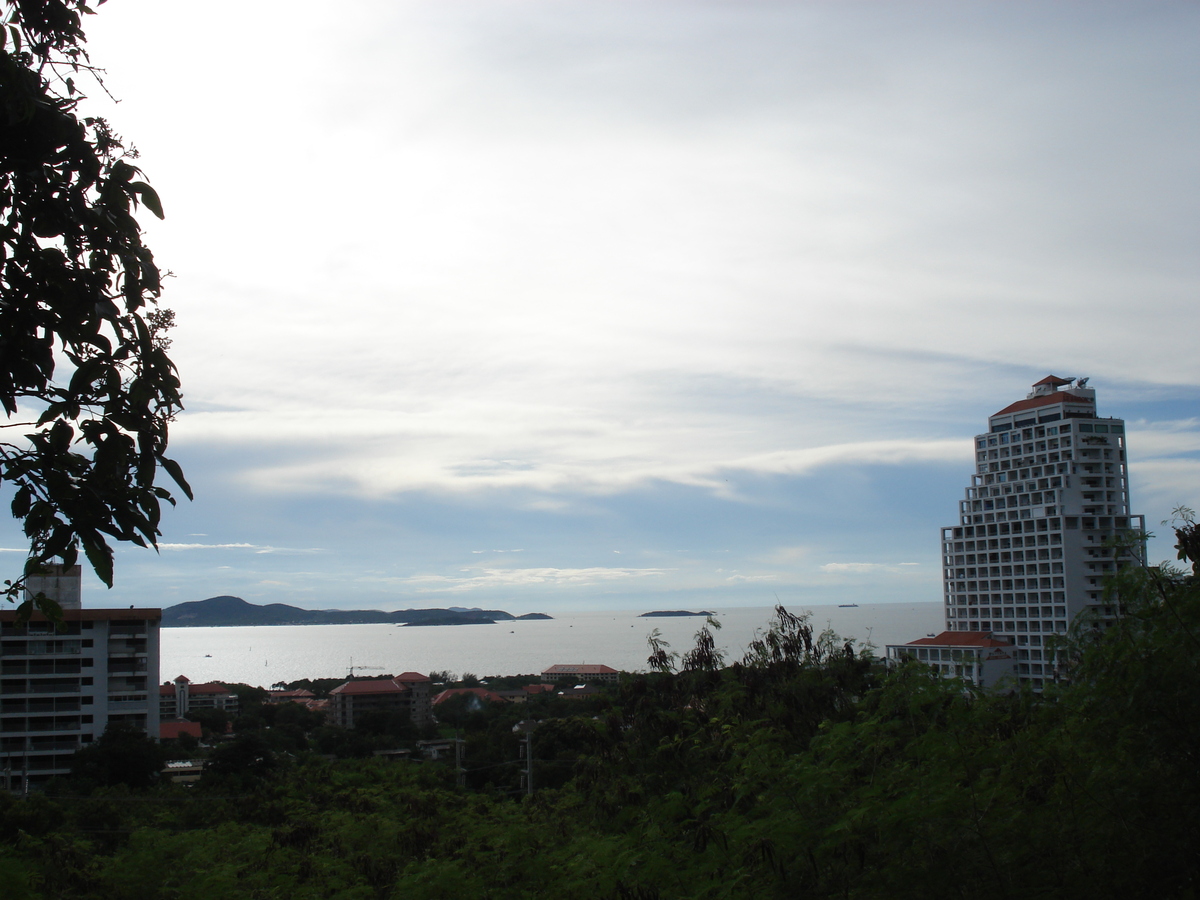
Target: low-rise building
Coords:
[[975, 656], [581, 672], [407, 693], [176, 728], [477, 692], [176, 699], [299, 695]]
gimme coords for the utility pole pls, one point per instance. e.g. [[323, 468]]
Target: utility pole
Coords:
[[460, 772], [525, 729]]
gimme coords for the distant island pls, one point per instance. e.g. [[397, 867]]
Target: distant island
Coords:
[[463, 617], [661, 613], [228, 611]]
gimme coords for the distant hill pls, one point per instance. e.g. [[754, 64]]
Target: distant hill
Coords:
[[225, 610]]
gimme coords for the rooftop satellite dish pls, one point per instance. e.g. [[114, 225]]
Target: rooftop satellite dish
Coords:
[[1082, 382]]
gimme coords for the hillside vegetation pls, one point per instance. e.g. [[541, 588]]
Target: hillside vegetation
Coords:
[[802, 770]]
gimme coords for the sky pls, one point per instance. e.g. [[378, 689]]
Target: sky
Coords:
[[542, 305]]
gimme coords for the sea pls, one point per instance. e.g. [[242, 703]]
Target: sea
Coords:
[[269, 654]]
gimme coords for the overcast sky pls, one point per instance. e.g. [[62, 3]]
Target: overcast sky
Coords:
[[545, 305]]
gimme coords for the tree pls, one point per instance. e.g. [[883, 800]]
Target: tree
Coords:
[[86, 385], [124, 754]]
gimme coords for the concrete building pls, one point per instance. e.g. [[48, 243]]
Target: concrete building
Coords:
[[60, 687], [407, 693], [176, 699], [1038, 527], [581, 672]]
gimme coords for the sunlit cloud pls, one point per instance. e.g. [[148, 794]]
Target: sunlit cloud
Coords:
[[859, 568], [640, 269], [257, 548], [504, 578]]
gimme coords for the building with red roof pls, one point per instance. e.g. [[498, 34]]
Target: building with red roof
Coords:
[[407, 693], [481, 693], [300, 695], [1044, 521], [179, 697], [976, 656], [169, 731], [580, 672]]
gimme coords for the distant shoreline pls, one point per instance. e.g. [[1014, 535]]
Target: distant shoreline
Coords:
[[234, 612]]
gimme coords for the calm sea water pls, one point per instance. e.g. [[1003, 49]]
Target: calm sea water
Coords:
[[263, 655]]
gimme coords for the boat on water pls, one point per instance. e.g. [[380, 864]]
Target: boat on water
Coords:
[[847, 606]]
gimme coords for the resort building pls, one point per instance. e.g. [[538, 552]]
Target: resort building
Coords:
[[1045, 518], [407, 693], [176, 699], [61, 686], [580, 672]]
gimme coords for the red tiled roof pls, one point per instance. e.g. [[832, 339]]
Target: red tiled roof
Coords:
[[960, 639], [538, 688], [169, 730], [378, 686], [411, 677], [298, 694], [581, 669], [482, 693], [213, 687], [1054, 380], [1044, 400]]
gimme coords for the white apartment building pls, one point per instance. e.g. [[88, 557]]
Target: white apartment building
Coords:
[[60, 687], [1036, 528]]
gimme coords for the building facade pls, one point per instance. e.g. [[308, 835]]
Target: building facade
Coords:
[[61, 686], [407, 694], [179, 697], [581, 672], [1045, 518]]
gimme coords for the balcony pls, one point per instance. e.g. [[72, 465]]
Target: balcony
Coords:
[[72, 745], [128, 706], [54, 686]]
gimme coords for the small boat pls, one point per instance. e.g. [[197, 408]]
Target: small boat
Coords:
[[847, 606], [208, 656]]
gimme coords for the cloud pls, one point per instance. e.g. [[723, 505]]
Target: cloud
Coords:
[[509, 578], [628, 247], [257, 548], [1164, 438], [865, 568], [793, 237]]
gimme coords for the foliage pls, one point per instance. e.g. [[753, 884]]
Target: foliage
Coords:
[[83, 365], [804, 769], [123, 754]]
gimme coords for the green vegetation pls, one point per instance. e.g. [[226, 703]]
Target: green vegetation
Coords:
[[83, 362], [803, 769]]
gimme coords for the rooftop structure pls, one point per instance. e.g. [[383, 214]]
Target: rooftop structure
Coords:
[[1041, 525]]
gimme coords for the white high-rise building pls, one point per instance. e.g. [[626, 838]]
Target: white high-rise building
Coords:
[[61, 685], [1039, 529]]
